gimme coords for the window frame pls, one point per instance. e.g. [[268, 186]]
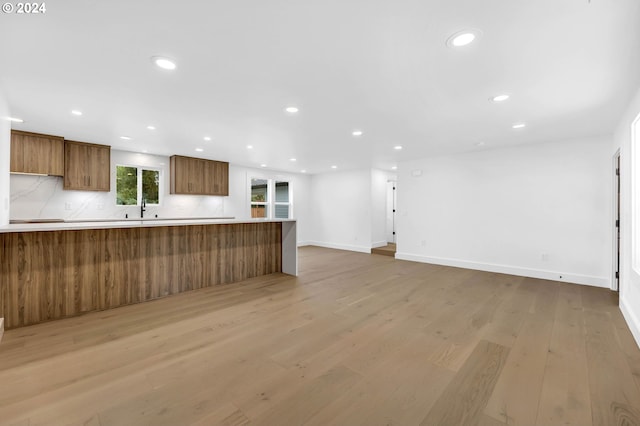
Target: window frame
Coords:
[[270, 202], [140, 169], [289, 203]]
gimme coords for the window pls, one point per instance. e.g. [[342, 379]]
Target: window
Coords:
[[270, 199], [259, 197], [135, 183], [281, 206]]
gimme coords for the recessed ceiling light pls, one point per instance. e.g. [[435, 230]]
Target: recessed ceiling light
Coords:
[[500, 98], [164, 63], [357, 133], [293, 159], [303, 171], [249, 146], [144, 151], [519, 125], [207, 138], [199, 149], [14, 119], [126, 138], [397, 147], [151, 127], [76, 112], [463, 38], [334, 167], [263, 165], [291, 109], [394, 167]]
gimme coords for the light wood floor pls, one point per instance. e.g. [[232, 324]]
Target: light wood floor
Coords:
[[388, 250], [354, 340]]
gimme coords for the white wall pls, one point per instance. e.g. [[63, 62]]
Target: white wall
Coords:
[[379, 180], [348, 209], [5, 147], [536, 210], [629, 278], [43, 196], [341, 210]]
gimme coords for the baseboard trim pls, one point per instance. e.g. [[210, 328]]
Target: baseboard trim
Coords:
[[360, 249], [632, 320], [511, 270], [379, 244], [303, 243]]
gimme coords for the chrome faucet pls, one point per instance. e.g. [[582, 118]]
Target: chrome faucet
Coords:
[[143, 204]]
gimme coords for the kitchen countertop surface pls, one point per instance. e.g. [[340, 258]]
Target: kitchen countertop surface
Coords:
[[34, 225]]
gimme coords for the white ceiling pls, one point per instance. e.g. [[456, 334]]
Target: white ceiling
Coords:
[[380, 66]]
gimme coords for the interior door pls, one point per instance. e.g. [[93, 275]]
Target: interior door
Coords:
[[391, 212]]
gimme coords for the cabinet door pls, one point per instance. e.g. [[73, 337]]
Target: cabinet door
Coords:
[[179, 175], [217, 178], [87, 166], [197, 176], [36, 153], [99, 168], [76, 156]]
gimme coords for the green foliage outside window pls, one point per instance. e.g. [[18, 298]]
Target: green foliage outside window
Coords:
[[126, 185], [151, 186]]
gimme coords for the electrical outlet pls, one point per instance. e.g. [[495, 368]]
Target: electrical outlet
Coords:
[[67, 206], [423, 243], [544, 256]]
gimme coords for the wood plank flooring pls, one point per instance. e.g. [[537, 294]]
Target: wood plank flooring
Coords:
[[388, 250], [354, 340]]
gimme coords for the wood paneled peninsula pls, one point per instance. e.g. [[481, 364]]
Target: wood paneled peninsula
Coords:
[[57, 270]]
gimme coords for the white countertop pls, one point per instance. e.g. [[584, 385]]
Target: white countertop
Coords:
[[128, 223]]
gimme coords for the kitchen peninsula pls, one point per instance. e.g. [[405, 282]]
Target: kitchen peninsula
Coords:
[[58, 270]]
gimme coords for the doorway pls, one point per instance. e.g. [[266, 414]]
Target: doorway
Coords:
[[391, 211]]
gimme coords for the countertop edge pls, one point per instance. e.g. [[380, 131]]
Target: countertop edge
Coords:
[[73, 226]]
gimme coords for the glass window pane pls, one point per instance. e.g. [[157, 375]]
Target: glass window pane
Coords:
[[258, 210], [282, 192], [259, 190], [282, 211], [151, 186], [126, 185]]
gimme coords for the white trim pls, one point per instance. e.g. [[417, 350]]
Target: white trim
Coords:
[[303, 243], [360, 249], [512, 270], [635, 194], [1, 328], [614, 247], [632, 321], [379, 244]]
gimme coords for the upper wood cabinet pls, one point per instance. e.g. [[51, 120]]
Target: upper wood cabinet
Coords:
[[87, 166], [197, 176], [36, 154]]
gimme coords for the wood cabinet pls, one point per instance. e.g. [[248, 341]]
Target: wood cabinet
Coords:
[[55, 274], [197, 176], [87, 166], [34, 153]]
